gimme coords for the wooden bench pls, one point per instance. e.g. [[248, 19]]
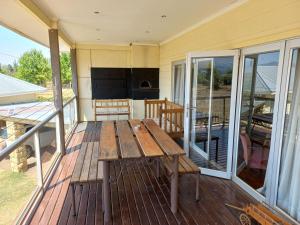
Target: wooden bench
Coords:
[[87, 168], [168, 115], [185, 166], [112, 109]]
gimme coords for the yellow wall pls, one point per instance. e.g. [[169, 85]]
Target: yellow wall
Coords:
[[110, 56], [255, 22]]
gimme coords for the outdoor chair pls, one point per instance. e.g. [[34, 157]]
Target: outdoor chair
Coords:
[[254, 157]]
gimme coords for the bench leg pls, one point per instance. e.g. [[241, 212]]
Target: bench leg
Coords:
[[106, 192], [197, 186], [174, 185], [102, 192], [73, 199]]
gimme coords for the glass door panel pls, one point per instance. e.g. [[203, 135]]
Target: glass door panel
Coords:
[[211, 111], [201, 82], [256, 117], [288, 197]]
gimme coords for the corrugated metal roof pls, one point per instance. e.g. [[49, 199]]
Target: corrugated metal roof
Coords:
[[11, 86], [27, 113]]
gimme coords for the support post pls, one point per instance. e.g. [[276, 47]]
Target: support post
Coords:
[[57, 86], [75, 79]]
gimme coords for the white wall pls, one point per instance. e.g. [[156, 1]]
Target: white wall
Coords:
[[110, 56]]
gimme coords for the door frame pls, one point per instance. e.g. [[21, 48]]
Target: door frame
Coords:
[[187, 122], [277, 46]]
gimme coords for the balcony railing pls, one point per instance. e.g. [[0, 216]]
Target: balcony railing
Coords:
[[40, 147]]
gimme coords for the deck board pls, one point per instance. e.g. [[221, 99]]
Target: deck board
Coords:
[[138, 197]]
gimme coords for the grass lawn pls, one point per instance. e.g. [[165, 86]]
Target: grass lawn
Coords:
[[15, 191], [48, 95]]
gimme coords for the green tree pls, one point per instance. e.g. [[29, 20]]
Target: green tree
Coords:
[[65, 67], [34, 68]]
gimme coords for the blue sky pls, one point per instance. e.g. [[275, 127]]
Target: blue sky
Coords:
[[13, 45]]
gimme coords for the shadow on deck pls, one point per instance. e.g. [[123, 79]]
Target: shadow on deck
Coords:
[[138, 197]]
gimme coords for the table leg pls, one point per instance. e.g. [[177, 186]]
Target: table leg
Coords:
[[174, 185], [217, 150], [158, 168], [73, 199], [106, 192]]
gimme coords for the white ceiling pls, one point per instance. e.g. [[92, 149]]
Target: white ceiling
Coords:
[[19, 19], [125, 21], [15, 17]]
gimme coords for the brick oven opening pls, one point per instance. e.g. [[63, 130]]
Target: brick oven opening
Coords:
[[145, 84]]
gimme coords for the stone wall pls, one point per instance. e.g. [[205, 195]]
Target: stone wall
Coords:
[[18, 158]]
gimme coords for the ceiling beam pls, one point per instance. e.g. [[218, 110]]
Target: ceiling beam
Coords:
[[43, 18]]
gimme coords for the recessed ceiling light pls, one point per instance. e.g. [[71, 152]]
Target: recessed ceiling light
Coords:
[[96, 12]]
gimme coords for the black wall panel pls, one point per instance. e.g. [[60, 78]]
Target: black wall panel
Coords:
[[120, 83]]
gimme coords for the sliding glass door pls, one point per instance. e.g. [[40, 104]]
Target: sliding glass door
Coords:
[[211, 81], [257, 117], [267, 143], [285, 195]]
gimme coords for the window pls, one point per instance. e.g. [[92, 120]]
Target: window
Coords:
[[178, 82]]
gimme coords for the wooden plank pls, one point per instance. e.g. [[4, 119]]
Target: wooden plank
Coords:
[[145, 140], [190, 163], [141, 207], [64, 190], [145, 196], [154, 201], [116, 212], [128, 146], [158, 192], [111, 106], [100, 171], [108, 145], [166, 143], [94, 163], [79, 163], [86, 163], [168, 165], [91, 208], [123, 203], [112, 114]]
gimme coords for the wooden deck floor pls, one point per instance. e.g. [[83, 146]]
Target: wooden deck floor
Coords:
[[138, 197]]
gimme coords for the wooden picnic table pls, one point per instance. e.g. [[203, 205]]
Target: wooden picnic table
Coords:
[[136, 140]]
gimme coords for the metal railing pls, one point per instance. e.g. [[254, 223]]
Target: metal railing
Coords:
[[42, 178]]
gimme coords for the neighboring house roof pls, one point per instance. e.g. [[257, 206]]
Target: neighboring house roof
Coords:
[[27, 113], [11, 86]]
